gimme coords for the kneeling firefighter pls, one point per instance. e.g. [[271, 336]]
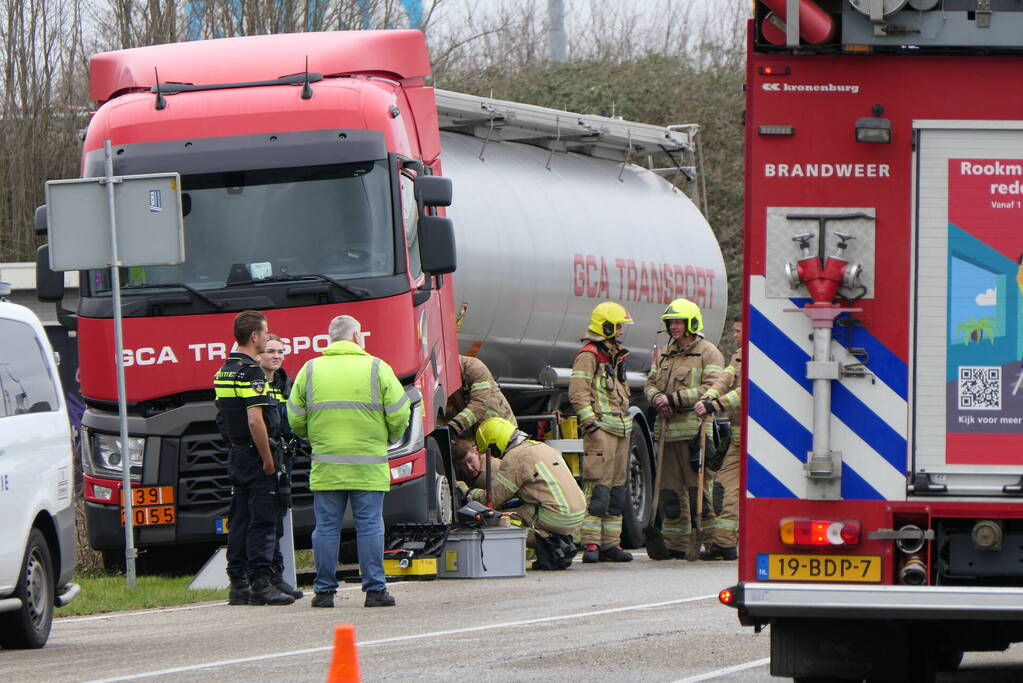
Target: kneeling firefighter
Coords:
[[688, 370], [600, 397], [552, 503]]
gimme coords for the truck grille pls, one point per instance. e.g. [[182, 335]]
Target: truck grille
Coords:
[[202, 473]]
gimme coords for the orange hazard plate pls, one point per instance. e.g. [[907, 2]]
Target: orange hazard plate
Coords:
[[151, 515], [151, 506], [845, 568]]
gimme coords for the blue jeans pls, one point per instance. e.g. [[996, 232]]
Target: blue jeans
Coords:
[[368, 511]]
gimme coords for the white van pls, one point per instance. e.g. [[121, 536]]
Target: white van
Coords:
[[37, 512]]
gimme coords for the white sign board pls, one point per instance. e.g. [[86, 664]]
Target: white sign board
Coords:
[[150, 229]]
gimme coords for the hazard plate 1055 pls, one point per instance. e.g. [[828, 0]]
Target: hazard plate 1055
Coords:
[[858, 568]]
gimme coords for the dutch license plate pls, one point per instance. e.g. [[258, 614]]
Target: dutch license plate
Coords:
[[860, 568], [151, 515], [150, 495]]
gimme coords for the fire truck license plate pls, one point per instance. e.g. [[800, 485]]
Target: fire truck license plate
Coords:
[[862, 568]]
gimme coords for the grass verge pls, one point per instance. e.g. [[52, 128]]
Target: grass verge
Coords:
[[111, 594]]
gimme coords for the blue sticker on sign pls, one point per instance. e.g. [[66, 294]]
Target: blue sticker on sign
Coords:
[[155, 201], [763, 573]]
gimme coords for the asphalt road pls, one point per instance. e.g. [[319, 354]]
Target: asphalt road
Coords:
[[650, 621]]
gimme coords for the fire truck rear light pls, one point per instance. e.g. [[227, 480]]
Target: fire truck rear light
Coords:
[[726, 596], [774, 70], [776, 130], [819, 532]]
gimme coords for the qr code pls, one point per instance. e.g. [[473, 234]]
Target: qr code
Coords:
[[980, 388]]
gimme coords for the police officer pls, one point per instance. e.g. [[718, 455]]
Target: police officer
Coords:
[[250, 422], [723, 544], [687, 370], [277, 394], [478, 398], [600, 397]]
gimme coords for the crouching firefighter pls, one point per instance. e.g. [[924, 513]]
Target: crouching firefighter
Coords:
[[689, 369], [552, 503], [600, 397], [249, 421]]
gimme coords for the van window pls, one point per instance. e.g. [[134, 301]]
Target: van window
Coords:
[[26, 385]]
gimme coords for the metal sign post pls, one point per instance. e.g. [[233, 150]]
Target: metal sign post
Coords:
[[80, 221], [122, 403]]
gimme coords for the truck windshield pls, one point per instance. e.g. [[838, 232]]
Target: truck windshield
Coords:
[[254, 225]]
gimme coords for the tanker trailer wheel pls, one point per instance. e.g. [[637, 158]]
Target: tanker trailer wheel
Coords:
[[29, 625], [442, 484], [640, 480]]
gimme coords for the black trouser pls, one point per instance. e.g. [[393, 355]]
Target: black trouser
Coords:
[[253, 518], [277, 566]]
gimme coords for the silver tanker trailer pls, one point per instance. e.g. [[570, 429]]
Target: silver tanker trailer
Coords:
[[553, 215]]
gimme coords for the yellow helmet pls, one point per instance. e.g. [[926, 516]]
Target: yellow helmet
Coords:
[[494, 431], [606, 317], [684, 309]]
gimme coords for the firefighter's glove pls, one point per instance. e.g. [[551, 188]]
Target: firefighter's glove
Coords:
[[705, 407], [662, 405], [590, 428]]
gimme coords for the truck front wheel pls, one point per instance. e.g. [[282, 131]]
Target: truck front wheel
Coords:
[[29, 625], [640, 481]]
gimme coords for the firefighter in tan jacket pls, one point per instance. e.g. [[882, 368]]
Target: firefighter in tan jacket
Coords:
[[723, 543], [687, 370], [600, 397], [536, 474], [478, 398]]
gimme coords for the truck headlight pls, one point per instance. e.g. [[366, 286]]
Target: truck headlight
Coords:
[[107, 452]]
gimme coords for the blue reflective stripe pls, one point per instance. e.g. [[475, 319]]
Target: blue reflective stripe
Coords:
[[796, 438], [762, 484], [855, 487]]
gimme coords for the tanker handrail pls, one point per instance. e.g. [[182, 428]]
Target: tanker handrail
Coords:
[[588, 134]]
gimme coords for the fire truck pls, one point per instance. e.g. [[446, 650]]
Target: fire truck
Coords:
[[312, 185], [881, 531]]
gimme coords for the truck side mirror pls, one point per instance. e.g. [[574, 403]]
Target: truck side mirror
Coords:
[[437, 245], [41, 219], [433, 190], [49, 283]]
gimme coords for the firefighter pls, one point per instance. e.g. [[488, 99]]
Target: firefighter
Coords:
[[478, 398], [600, 397], [470, 466], [249, 421], [536, 474], [723, 543], [687, 370]]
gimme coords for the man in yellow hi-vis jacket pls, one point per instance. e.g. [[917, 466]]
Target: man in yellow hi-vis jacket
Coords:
[[351, 406]]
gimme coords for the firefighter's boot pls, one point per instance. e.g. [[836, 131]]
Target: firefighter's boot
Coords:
[[592, 554], [239, 592], [615, 554], [264, 593], [718, 552]]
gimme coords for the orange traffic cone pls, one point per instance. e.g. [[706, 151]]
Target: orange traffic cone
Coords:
[[344, 667]]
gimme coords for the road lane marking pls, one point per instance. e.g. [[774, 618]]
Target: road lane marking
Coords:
[[118, 615], [718, 673], [397, 639]]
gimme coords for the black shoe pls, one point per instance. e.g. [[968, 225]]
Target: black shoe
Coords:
[[323, 600], [263, 593], [615, 554], [591, 554], [379, 598], [677, 554], [239, 593], [286, 588], [718, 552]]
